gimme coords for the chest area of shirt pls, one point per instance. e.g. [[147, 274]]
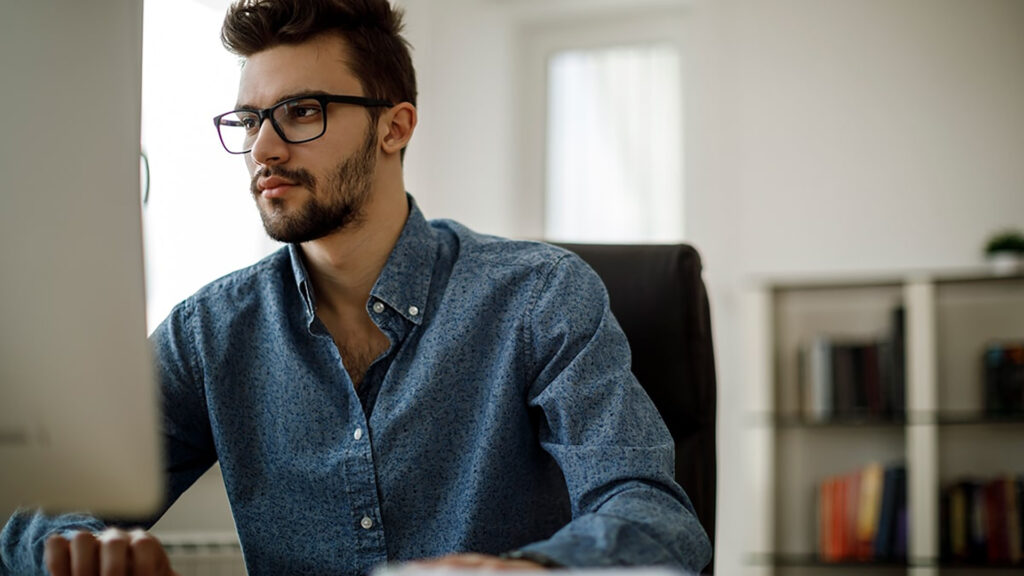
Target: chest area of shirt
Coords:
[[359, 344]]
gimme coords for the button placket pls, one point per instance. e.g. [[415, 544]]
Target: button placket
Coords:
[[363, 514]]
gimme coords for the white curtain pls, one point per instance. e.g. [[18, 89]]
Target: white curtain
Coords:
[[615, 145]]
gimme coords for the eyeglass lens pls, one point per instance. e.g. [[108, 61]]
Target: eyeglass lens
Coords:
[[297, 120]]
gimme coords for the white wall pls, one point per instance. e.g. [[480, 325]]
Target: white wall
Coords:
[[856, 135], [465, 113], [867, 134]]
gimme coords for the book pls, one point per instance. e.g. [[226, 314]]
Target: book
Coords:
[[827, 550], [1019, 483], [1013, 527], [900, 543], [945, 525], [899, 363], [869, 505], [894, 490], [1004, 377], [872, 378], [995, 518], [852, 481], [886, 378], [855, 381], [977, 532], [958, 502], [842, 380], [818, 380], [1020, 509], [839, 501]]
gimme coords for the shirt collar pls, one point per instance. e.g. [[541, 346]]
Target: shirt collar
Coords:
[[302, 281], [403, 284]]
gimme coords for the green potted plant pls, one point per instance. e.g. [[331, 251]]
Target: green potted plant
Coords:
[[1005, 251]]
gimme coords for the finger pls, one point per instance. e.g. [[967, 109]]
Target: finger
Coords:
[[84, 554], [467, 560], [57, 555], [148, 556], [449, 560], [516, 564], [114, 558], [480, 562], [486, 562]]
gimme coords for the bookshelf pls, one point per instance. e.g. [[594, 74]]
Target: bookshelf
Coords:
[[941, 432]]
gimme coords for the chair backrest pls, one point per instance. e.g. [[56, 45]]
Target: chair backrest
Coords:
[[657, 294]]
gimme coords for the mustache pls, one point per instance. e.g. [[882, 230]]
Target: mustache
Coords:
[[299, 176]]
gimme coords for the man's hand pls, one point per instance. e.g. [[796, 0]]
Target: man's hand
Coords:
[[111, 553], [477, 562]]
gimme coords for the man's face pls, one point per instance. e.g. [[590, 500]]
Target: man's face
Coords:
[[309, 190]]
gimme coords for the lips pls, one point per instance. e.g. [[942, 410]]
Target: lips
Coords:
[[274, 186]]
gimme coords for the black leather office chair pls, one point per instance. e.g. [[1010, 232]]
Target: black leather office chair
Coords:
[[658, 296]]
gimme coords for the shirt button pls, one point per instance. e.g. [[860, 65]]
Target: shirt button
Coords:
[[378, 307], [413, 311], [366, 522], [358, 433]]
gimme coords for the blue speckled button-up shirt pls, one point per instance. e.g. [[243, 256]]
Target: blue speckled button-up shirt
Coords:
[[503, 417]]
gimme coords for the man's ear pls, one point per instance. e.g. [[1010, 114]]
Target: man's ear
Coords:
[[398, 124]]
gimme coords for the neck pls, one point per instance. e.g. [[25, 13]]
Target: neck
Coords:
[[344, 266]]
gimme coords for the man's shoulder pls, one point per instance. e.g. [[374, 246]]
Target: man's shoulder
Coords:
[[245, 283], [246, 293], [487, 250]]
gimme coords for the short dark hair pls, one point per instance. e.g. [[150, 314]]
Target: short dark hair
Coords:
[[371, 29]]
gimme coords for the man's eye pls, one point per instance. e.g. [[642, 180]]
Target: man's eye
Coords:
[[302, 111], [250, 123]]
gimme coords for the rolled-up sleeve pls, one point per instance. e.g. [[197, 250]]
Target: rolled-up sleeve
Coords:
[[23, 537], [605, 434]]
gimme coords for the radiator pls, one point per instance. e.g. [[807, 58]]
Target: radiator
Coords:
[[204, 554]]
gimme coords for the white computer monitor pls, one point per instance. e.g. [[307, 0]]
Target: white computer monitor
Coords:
[[78, 402]]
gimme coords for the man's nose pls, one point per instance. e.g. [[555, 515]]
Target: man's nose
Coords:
[[269, 147]]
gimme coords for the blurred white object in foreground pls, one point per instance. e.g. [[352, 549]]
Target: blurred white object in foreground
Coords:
[[410, 570]]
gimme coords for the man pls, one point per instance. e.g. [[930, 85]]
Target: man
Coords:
[[386, 388]]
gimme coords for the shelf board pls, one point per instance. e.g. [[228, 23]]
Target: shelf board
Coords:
[[979, 419], [947, 565], [867, 279], [797, 421], [840, 422], [941, 419], [814, 561]]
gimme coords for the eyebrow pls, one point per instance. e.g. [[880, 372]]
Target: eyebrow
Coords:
[[289, 96]]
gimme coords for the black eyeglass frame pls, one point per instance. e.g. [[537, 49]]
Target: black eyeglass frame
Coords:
[[323, 99]]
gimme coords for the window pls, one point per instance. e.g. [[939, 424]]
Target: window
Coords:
[[601, 137], [614, 145], [200, 221]]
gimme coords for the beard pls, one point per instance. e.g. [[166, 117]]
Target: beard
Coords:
[[337, 205]]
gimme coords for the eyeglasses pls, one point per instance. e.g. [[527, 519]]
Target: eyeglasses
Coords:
[[295, 120]]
